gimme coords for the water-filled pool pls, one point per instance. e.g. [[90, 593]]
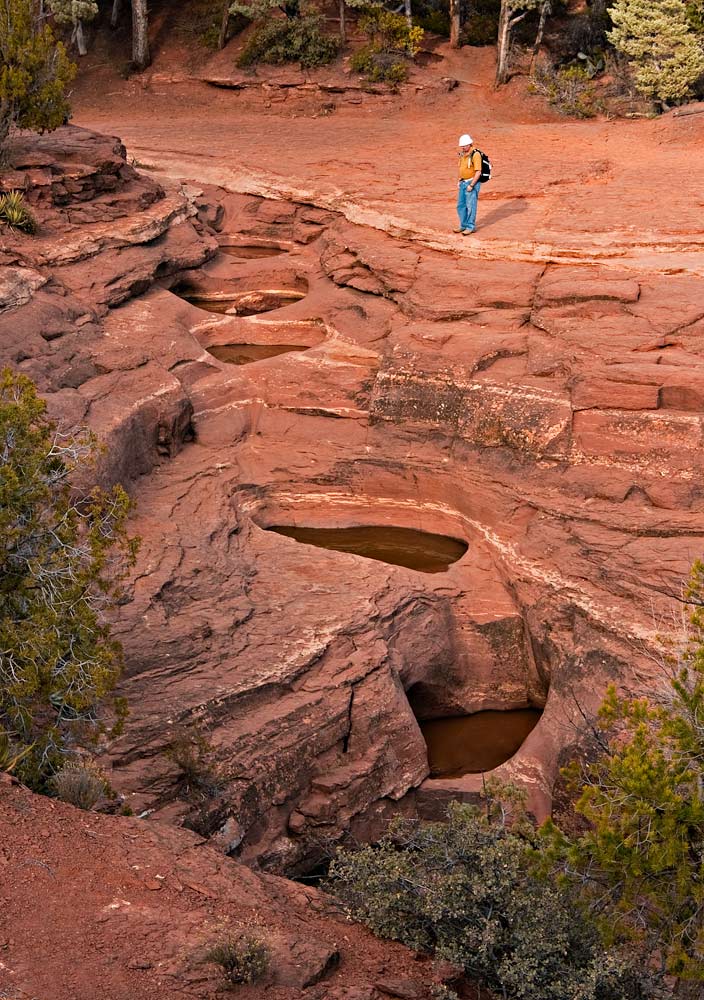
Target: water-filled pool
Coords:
[[469, 744], [407, 547]]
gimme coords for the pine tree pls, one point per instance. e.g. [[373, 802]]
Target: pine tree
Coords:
[[34, 71], [75, 12], [60, 561], [640, 862], [656, 36]]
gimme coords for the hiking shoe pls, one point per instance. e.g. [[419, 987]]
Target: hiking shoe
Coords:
[[467, 232], [458, 230]]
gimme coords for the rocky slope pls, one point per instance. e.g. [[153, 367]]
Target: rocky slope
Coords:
[[548, 414], [151, 901]]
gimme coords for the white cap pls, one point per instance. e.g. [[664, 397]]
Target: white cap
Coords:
[[465, 140]]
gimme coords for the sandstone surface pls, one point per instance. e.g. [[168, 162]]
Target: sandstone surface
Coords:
[[546, 413]]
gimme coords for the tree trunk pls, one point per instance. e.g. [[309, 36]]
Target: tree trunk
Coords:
[[343, 23], [545, 8], [5, 123], [224, 25], [140, 37], [79, 38], [407, 5], [454, 24], [503, 43], [115, 15]]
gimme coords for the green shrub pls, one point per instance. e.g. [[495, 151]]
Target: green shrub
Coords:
[[61, 560], [390, 32], [34, 71], [79, 783], [243, 959], [391, 44], [193, 754], [379, 67], [14, 212], [287, 40], [568, 89], [466, 891]]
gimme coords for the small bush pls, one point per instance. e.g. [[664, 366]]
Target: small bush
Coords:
[[290, 40], [391, 44], [243, 959], [466, 891], [15, 213], [192, 753], [569, 89], [379, 67], [79, 783], [390, 32]]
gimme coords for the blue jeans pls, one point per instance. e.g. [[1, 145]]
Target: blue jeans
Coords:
[[467, 205]]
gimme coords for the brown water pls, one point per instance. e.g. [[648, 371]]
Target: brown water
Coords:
[[399, 546], [251, 253], [469, 744], [245, 354]]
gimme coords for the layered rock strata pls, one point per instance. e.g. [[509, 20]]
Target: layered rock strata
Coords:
[[549, 415]]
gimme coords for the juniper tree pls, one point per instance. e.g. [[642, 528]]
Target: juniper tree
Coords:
[[60, 563], [34, 71], [465, 890], [74, 12], [664, 53]]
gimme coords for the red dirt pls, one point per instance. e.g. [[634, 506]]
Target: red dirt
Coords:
[[95, 906]]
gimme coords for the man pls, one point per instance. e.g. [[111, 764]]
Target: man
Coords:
[[469, 186]]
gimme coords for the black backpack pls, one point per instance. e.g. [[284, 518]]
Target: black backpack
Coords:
[[486, 167]]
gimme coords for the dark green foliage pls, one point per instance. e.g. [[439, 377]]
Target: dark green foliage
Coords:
[[285, 40], [15, 213], [466, 891], [243, 959], [432, 16], [60, 564], [34, 70], [480, 29]]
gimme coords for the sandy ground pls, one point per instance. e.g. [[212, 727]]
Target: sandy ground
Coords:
[[561, 188]]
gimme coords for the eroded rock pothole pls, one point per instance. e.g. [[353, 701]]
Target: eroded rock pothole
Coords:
[[250, 303], [418, 550], [471, 744], [250, 251], [247, 354]]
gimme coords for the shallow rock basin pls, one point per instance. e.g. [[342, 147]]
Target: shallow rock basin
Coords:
[[419, 550], [244, 303], [247, 354], [469, 744], [250, 252]]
